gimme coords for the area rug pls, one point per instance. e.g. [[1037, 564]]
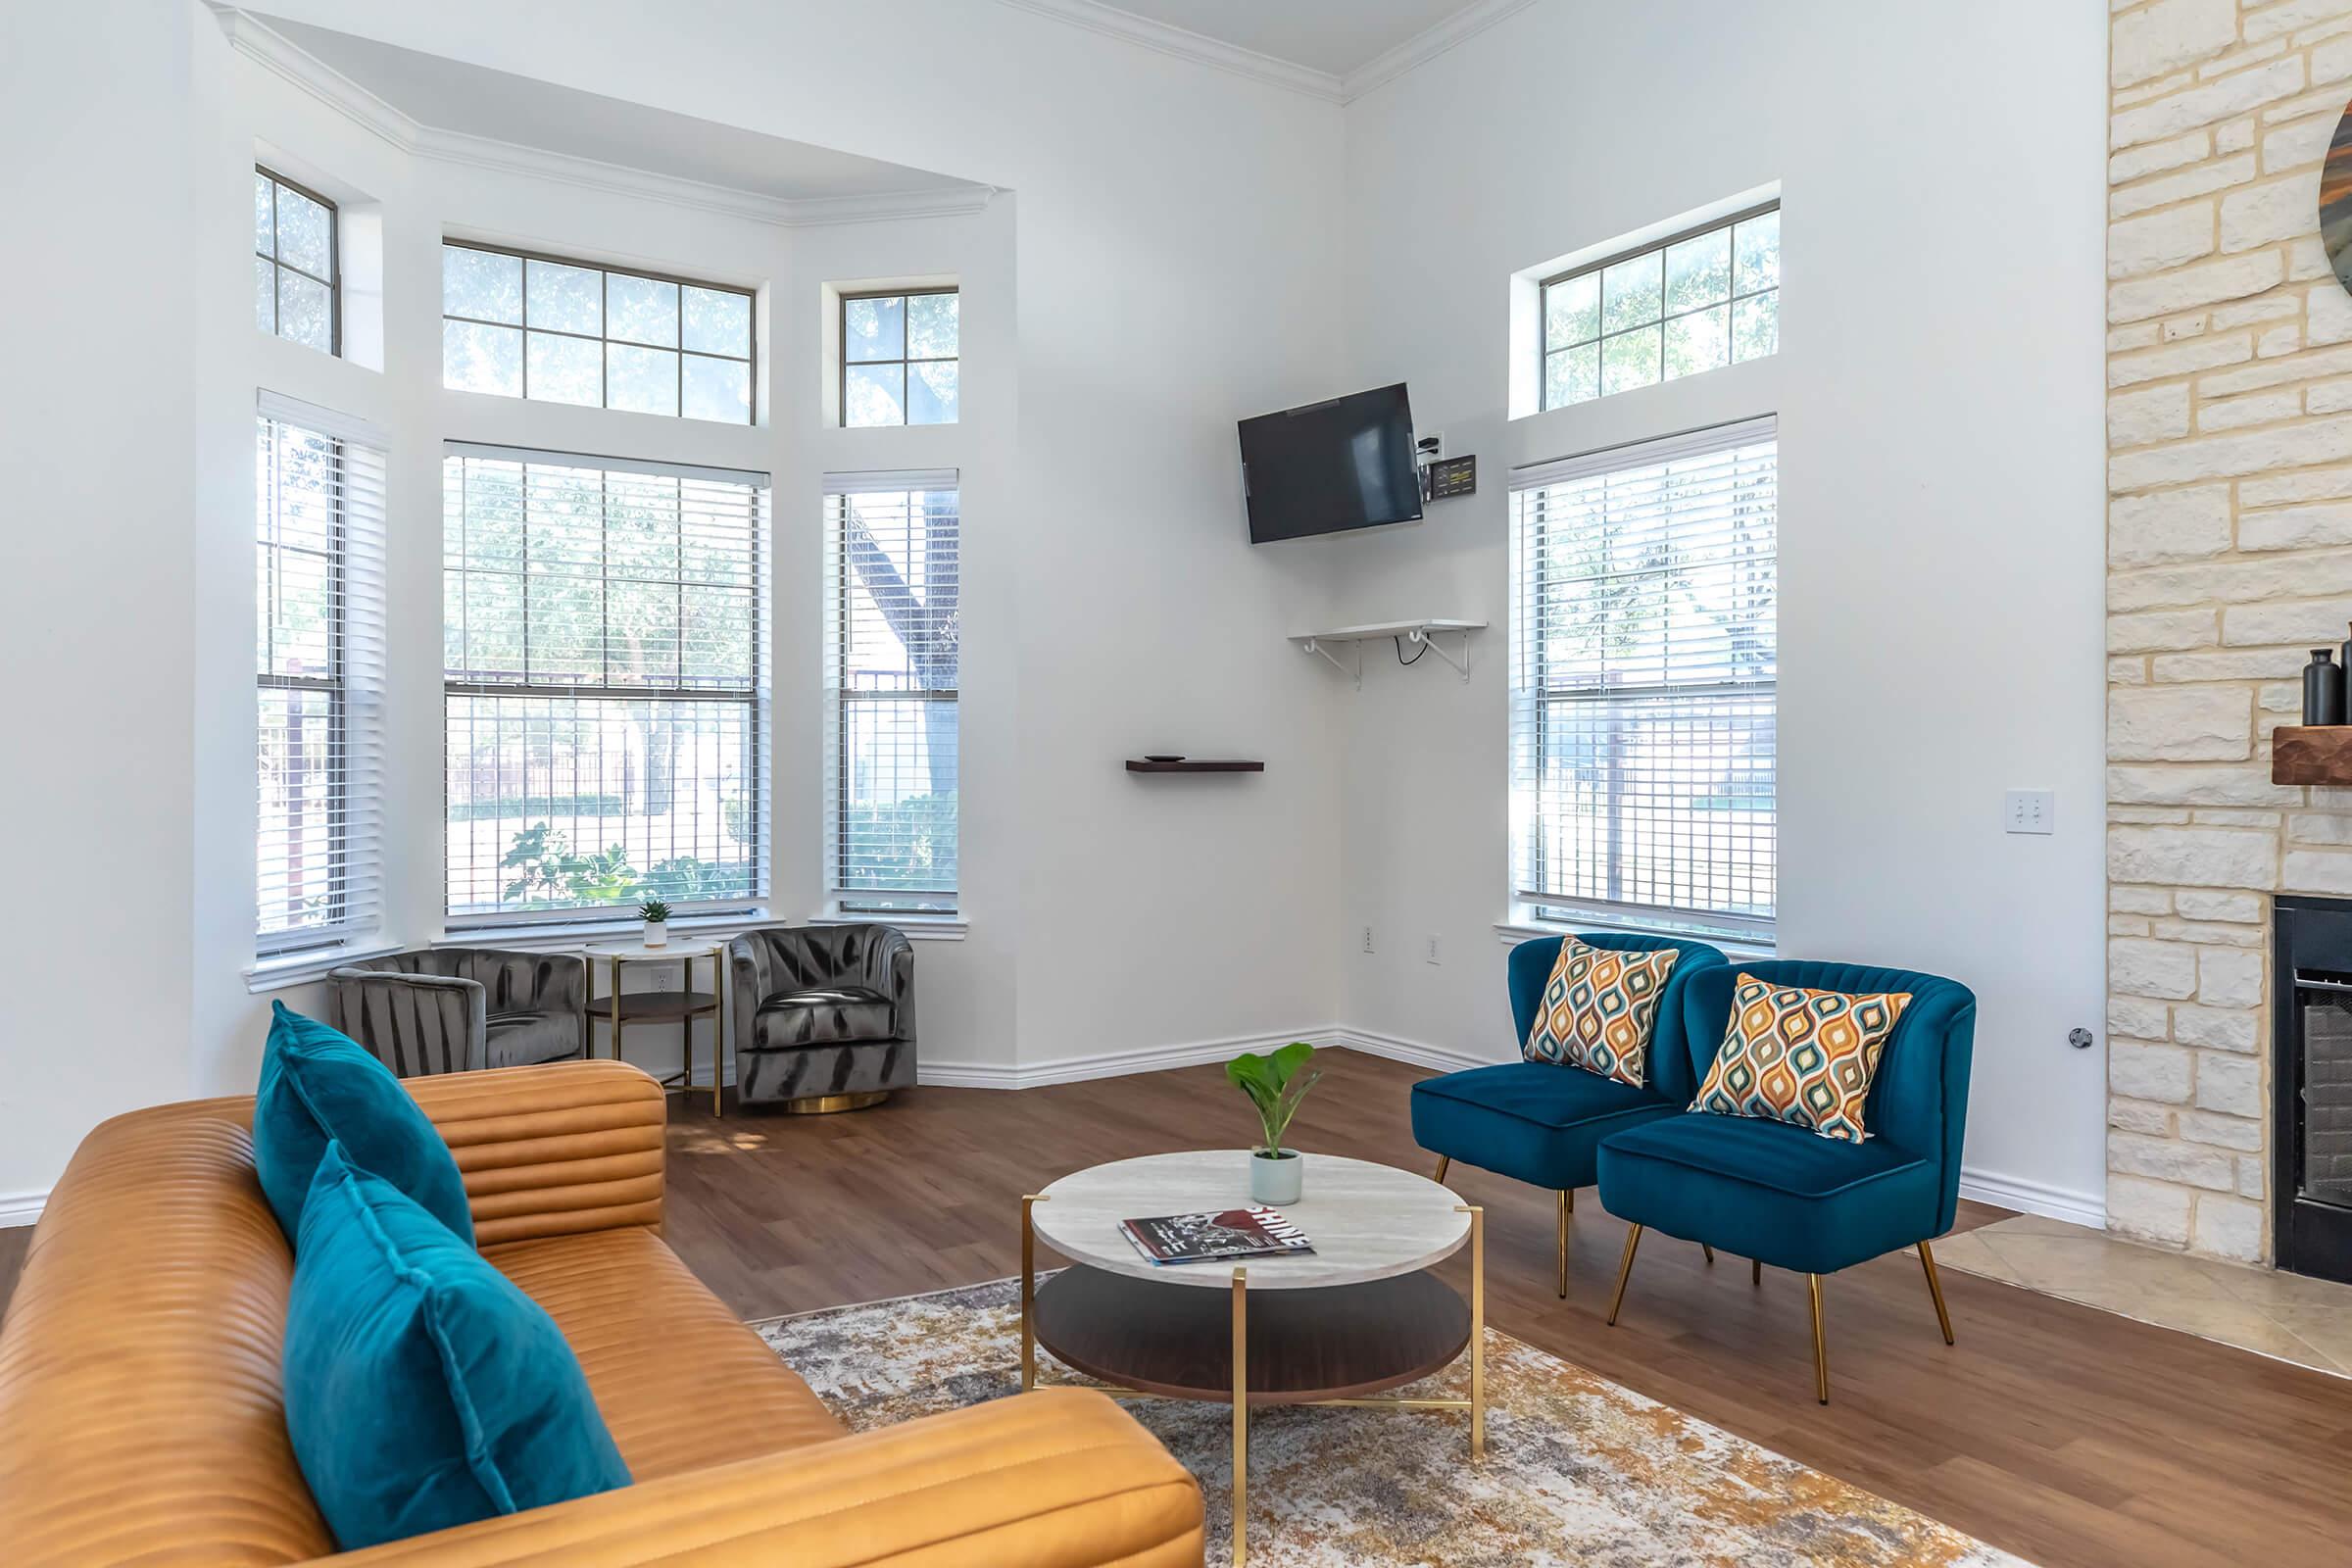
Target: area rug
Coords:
[[1579, 1470]]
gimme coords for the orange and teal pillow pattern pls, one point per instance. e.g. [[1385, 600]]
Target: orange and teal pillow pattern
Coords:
[[1805, 1057], [1598, 1010]]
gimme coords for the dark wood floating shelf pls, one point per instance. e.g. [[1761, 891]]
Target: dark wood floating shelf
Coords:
[[2312, 754], [1195, 765]]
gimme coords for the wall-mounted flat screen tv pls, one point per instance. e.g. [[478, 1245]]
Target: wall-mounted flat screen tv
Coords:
[[1331, 466]]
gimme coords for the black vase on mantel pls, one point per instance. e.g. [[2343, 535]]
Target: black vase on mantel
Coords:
[[2323, 687]]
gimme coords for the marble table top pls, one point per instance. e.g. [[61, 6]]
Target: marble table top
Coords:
[[1365, 1221], [630, 951]]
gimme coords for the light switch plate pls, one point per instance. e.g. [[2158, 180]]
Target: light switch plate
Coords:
[[2029, 811]]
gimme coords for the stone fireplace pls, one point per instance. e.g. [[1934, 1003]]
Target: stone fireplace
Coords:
[[2229, 554], [2311, 1088]]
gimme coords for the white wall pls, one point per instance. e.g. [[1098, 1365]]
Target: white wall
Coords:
[[1942, 514], [96, 416], [1177, 232]]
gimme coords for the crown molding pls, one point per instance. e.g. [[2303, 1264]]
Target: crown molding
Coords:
[[1424, 46], [290, 63], [1163, 38]]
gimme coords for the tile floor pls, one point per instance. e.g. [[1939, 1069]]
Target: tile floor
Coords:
[[2306, 1321]]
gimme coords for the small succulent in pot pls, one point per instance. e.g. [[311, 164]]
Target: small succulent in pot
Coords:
[[655, 916], [1274, 1085]]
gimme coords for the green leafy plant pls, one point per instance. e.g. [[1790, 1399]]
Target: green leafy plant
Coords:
[[1274, 1085], [653, 911]]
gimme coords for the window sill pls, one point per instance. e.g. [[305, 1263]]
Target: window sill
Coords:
[[1522, 927], [570, 937], [918, 927], [264, 975]]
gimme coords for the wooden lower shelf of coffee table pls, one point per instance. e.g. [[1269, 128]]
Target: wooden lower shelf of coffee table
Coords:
[[1339, 1342]]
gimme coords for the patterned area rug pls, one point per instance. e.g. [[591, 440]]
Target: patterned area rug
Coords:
[[1578, 1470]]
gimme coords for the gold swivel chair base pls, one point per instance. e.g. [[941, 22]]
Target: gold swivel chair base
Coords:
[[827, 1105]]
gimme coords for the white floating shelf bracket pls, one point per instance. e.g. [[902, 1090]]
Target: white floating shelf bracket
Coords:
[[1421, 634]]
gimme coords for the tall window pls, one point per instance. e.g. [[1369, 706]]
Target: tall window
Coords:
[[319, 534], [535, 326], [900, 358], [1643, 669], [605, 684], [892, 634], [295, 290], [1696, 303]]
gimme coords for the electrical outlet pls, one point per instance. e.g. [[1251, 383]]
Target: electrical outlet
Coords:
[[2029, 811], [1367, 939], [1429, 952]]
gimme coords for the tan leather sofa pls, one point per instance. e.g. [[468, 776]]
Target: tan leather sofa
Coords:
[[139, 1395]]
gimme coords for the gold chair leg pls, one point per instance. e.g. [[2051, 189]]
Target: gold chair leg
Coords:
[[1625, 1270], [1444, 1161], [1562, 1208], [1755, 1272], [1943, 1319], [1821, 1350], [1709, 1251]]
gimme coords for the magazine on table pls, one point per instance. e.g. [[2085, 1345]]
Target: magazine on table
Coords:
[[1226, 1232]]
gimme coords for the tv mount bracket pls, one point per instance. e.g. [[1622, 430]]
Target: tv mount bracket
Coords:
[[1421, 634]]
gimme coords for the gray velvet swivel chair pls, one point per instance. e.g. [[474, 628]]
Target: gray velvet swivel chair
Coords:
[[824, 1015], [461, 1010]]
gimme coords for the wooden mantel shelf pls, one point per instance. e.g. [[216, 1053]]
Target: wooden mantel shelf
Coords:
[[1195, 765], [2312, 754]]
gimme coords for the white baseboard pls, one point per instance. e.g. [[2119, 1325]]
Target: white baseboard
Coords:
[[1412, 1052], [2033, 1198], [22, 1209], [1111, 1064]]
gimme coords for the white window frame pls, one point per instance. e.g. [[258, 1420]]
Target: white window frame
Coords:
[[279, 266], [756, 699], [1733, 299], [840, 698], [1537, 898], [602, 337], [354, 681]]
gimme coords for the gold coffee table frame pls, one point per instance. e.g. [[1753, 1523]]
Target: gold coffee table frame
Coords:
[[1475, 1404]]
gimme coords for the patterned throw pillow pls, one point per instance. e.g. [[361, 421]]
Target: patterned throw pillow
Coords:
[[1805, 1057], [1597, 1008]]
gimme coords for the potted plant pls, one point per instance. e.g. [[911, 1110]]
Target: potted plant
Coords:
[[1274, 1085], [655, 916]]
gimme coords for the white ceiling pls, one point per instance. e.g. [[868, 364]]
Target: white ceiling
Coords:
[[474, 101], [1335, 37]]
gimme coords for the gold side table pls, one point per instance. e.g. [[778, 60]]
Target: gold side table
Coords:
[[681, 1007]]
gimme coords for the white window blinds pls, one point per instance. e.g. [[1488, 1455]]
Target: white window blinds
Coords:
[[605, 683], [1643, 671], [893, 635], [319, 662]]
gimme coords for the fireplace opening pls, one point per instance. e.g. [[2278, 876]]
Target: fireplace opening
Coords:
[[2311, 1088]]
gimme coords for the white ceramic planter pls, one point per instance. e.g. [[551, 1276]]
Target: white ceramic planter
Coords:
[[657, 933], [1277, 1181]]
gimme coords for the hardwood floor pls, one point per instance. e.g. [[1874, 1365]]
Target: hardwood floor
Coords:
[[2057, 1432]]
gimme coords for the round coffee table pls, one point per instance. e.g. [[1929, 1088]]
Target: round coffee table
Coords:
[[1358, 1316]]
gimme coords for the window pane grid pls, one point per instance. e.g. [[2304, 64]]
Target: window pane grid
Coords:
[[604, 686], [1686, 305], [296, 292], [318, 542], [518, 324], [892, 640], [901, 357], [1644, 686]]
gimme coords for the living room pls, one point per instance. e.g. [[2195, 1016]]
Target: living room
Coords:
[[521, 780]]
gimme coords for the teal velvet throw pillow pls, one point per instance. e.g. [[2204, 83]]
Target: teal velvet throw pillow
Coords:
[[319, 1086], [423, 1389]]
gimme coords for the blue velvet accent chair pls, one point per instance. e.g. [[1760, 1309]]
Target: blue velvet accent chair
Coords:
[[1786, 1195], [1540, 1122]]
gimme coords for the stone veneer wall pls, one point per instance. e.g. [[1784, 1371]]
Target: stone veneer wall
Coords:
[[2229, 554]]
